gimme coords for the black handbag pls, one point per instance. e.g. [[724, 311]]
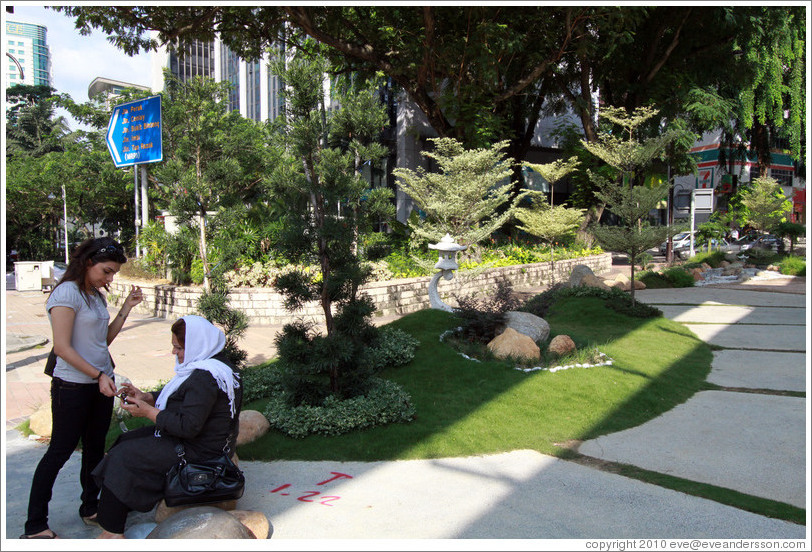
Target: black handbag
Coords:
[[212, 480], [50, 364]]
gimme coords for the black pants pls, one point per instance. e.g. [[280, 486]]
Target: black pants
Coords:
[[112, 512], [80, 413]]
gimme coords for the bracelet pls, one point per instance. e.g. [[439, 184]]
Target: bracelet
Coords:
[[98, 375]]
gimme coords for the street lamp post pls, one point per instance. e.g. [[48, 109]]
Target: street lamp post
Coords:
[[65, 215]]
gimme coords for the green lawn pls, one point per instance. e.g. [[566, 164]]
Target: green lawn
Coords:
[[468, 408]]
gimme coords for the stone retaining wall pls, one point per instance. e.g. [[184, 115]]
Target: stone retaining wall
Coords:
[[264, 306]]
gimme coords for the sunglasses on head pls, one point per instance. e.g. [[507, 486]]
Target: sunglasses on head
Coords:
[[108, 249]]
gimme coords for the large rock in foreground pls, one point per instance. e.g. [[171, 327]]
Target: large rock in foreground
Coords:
[[201, 522]]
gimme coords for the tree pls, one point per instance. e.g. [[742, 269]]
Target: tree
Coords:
[[791, 230], [551, 224], [315, 172], [213, 158], [471, 70], [631, 203], [555, 171], [467, 197], [765, 203]]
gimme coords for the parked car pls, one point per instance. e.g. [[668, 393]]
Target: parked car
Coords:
[[684, 251], [681, 241], [765, 241]]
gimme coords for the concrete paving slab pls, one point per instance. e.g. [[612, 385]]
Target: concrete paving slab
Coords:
[[759, 370], [700, 295], [743, 336], [748, 442], [729, 314], [520, 494]]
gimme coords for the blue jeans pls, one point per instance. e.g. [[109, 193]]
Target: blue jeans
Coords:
[[80, 413]]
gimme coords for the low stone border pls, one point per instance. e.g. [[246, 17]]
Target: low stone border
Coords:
[[607, 362], [264, 306]]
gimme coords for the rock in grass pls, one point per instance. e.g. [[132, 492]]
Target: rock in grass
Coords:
[[511, 343], [534, 327], [561, 345]]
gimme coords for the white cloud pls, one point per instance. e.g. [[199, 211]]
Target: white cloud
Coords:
[[75, 59]]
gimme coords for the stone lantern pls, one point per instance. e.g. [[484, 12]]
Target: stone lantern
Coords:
[[447, 264]]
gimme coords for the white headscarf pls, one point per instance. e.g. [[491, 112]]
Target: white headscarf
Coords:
[[203, 341]]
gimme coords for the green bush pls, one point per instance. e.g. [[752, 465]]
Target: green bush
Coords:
[[614, 298], [196, 272], [654, 279], [793, 266], [394, 347], [761, 256], [384, 403], [260, 382], [679, 277], [713, 259], [481, 319]]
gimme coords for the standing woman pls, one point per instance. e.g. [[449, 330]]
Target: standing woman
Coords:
[[82, 389]]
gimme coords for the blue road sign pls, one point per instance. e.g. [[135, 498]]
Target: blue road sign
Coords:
[[134, 132]]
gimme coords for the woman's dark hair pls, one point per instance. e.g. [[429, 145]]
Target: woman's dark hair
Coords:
[[95, 250], [179, 329]]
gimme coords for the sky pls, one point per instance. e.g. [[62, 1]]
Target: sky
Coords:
[[75, 59]]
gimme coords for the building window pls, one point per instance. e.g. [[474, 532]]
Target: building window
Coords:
[[784, 177]]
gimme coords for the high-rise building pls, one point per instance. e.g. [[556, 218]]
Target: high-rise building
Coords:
[[255, 92], [26, 44]]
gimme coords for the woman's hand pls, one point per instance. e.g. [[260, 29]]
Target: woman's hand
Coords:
[[139, 408], [107, 386], [134, 393], [134, 297]]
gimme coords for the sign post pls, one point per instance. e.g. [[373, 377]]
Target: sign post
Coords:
[[134, 138]]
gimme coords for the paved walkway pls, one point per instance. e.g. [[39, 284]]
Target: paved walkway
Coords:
[[751, 442]]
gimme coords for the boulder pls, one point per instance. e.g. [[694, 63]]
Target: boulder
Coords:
[[697, 274], [164, 512], [511, 343], [732, 270], [41, 422], [201, 522], [256, 522], [627, 285], [774, 268], [561, 345], [705, 267], [578, 273], [591, 280], [253, 425], [534, 327], [724, 264], [621, 277]]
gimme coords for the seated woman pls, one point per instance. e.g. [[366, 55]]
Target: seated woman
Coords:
[[200, 407]]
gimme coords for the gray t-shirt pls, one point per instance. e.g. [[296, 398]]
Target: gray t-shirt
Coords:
[[89, 336]]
